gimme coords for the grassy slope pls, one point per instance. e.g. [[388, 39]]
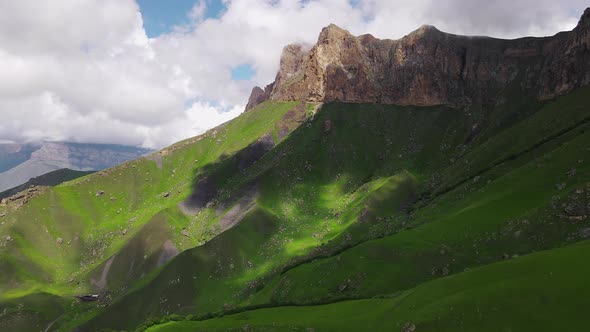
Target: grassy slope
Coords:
[[477, 223], [545, 291], [512, 215], [513, 209], [322, 191], [92, 227], [315, 183]]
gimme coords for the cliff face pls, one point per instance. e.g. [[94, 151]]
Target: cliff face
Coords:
[[430, 67]]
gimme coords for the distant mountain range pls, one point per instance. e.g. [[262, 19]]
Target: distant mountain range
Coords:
[[12, 155], [21, 162], [48, 179]]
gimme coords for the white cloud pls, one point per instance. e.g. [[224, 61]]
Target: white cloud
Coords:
[[84, 70], [198, 11]]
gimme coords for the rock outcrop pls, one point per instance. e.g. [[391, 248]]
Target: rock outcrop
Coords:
[[430, 67], [258, 95]]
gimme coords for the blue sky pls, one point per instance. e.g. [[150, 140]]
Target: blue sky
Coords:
[[160, 16], [242, 72]]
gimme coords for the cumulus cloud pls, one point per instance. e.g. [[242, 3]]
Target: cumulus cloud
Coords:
[[85, 71]]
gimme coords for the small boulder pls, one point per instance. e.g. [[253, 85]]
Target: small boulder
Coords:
[[184, 232], [99, 193], [584, 233], [59, 241], [8, 238], [409, 327], [327, 125], [124, 232], [166, 194]]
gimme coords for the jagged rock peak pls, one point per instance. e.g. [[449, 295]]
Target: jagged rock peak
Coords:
[[425, 29], [585, 19], [291, 57], [332, 32], [429, 67], [257, 96]]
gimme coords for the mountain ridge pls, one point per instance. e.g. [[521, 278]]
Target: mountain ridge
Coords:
[[429, 67]]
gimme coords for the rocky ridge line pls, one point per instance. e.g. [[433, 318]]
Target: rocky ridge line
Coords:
[[428, 67]]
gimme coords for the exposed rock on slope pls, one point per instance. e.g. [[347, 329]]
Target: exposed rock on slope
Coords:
[[430, 67], [258, 95]]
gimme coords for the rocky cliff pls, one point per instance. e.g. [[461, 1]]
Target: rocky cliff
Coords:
[[430, 67]]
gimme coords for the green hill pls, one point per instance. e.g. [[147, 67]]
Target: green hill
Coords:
[[545, 291], [384, 200], [283, 206]]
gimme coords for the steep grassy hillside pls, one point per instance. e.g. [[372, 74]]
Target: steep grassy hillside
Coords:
[[311, 189], [286, 205], [65, 240], [445, 195], [545, 291]]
